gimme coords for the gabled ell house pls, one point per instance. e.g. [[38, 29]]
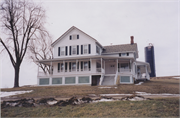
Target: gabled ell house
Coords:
[[79, 59]]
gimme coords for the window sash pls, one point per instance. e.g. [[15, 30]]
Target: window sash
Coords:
[[62, 51], [62, 67], [85, 49], [73, 66], [85, 66], [74, 49]]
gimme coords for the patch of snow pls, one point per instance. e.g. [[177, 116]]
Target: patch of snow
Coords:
[[137, 99], [51, 102], [139, 83], [176, 77], [107, 87], [163, 94], [113, 94], [6, 94], [104, 100]]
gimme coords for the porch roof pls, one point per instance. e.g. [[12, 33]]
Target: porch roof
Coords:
[[142, 66], [82, 58]]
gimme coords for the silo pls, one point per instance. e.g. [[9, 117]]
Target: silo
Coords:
[[149, 57]]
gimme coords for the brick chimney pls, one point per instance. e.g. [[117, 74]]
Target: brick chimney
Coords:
[[132, 40]]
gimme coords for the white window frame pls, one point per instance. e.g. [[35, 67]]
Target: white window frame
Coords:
[[85, 49], [72, 66], [62, 54], [74, 36], [72, 51], [85, 66]]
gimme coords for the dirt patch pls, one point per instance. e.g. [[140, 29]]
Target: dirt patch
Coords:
[[72, 101]]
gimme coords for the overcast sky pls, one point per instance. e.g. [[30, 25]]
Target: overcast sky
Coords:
[[113, 22]]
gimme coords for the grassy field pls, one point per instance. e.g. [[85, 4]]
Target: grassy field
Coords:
[[158, 107], [168, 107], [154, 86]]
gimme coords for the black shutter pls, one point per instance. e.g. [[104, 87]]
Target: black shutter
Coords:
[[77, 49], [77, 36], [81, 49], [89, 45], [78, 65], [81, 65], [69, 50], [89, 63], [58, 67], [70, 37], [119, 54], [127, 54], [118, 65], [59, 51], [69, 66], [66, 50], [66, 67]]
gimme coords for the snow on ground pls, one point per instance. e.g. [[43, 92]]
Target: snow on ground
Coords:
[[163, 94], [104, 100], [176, 77], [139, 83], [108, 87], [141, 93], [6, 94], [113, 94]]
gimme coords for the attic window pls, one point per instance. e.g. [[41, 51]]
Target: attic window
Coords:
[[74, 36]]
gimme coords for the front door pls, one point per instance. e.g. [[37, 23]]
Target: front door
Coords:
[[110, 68]]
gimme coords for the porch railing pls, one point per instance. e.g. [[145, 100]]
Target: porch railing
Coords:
[[124, 70], [98, 69], [42, 74]]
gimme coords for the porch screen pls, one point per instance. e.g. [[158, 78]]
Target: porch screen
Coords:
[[44, 81], [125, 78], [83, 79], [56, 80], [70, 80]]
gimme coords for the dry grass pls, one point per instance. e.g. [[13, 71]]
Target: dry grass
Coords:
[[155, 86], [166, 107]]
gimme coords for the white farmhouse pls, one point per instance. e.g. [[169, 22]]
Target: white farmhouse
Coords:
[[80, 59]]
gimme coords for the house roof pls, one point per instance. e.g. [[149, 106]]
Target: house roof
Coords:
[[69, 30], [120, 48]]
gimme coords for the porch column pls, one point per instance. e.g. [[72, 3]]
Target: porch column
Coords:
[[50, 77], [91, 65], [101, 65], [146, 72], [38, 70], [51, 68], [63, 66], [76, 65], [104, 66], [117, 65]]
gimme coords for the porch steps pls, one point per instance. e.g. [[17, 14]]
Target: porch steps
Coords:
[[108, 80]]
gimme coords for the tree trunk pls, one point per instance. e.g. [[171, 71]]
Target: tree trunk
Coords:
[[16, 79]]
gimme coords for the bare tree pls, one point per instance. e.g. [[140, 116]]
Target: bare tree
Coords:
[[21, 21], [41, 49]]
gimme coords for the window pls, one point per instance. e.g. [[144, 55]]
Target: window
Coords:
[[56, 80], [85, 49], [125, 66], [97, 49], [74, 36], [62, 67], [85, 66], [70, 80], [74, 50], [62, 51], [44, 81], [125, 79], [83, 79], [73, 66], [123, 54]]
